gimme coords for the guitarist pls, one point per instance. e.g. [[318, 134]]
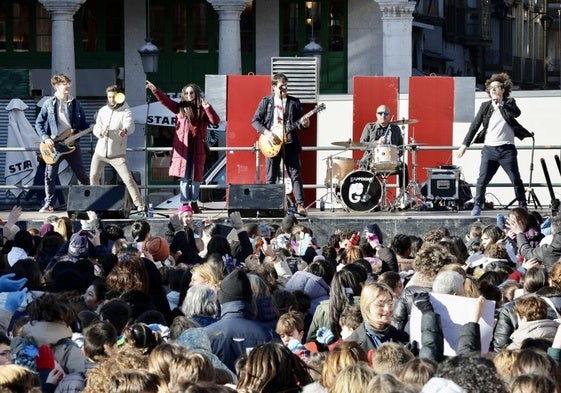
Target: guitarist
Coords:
[[280, 111], [61, 113]]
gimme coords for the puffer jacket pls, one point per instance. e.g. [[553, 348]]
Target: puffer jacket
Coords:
[[404, 304], [313, 286]]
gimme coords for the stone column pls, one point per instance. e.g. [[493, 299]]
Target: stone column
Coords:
[[397, 26], [62, 16], [229, 46]]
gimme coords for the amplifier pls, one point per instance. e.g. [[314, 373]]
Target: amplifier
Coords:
[[443, 183]]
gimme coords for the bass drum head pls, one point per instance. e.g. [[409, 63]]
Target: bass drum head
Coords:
[[361, 191]]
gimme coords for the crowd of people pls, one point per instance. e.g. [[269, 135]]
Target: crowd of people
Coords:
[[261, 307]]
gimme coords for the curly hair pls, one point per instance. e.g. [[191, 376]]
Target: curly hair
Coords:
[[473, 373], [123, 359], [532, 308], [431, 258], [52, 308], [504, 79], [128, 274]]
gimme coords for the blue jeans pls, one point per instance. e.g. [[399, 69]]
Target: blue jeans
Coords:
[[493, 157]]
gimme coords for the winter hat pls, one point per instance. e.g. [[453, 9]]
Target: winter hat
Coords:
[[235, 286], [184, 208], [288, 222], [158, 247], [375, 229], [69, 280], [78, 247], [46, 228]]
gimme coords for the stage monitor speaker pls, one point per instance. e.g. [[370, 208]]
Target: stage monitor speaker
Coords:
[[109, 202], [257, 200]]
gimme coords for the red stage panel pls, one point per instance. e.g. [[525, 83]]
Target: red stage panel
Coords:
[[244, 94], [431, 101], [369, 93]]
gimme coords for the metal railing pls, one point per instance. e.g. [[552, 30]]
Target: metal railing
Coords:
[[146, 187]]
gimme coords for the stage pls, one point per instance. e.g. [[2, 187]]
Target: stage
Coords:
[[322, 223]]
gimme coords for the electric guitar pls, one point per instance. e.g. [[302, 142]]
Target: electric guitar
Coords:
[[63, 145], [271, 148]]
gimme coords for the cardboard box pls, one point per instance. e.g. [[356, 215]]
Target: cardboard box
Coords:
[[160, 168]]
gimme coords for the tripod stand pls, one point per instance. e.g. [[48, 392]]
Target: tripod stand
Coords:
[[413, 188], [330, 196], [532, 197]]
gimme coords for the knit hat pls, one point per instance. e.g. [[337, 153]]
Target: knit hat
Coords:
[[375, 229], [184, 208], [235, 286], [78, 247], [46, 228], [288, 222], [158, 247]]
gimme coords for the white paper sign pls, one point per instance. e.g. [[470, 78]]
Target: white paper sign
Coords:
[[455, 311]]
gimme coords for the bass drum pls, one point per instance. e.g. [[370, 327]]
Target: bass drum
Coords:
[[361, 191]]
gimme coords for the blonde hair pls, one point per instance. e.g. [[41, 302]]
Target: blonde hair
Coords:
[[353, 378], [63, 226], [209, 273], [15, 378], [369, 294]]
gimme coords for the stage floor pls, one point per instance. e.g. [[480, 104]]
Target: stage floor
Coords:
[[322, 223]]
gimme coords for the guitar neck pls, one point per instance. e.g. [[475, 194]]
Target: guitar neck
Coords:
[[72, 138]]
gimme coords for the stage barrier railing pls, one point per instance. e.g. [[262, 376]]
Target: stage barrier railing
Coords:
[[259, 159]]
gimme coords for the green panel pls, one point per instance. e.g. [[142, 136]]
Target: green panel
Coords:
[[14, 83], [333, 73]]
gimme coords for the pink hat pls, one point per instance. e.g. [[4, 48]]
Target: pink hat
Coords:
[[184, 208]]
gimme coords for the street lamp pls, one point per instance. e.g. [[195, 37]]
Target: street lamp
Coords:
[[149, 56]]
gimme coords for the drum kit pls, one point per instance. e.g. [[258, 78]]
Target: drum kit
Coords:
[[365, 189]]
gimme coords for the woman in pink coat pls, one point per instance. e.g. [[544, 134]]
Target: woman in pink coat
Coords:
[[193, 115]]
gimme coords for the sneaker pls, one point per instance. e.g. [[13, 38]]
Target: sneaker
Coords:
[[302, 211], [195, 207], [46, 209], [476, 211]]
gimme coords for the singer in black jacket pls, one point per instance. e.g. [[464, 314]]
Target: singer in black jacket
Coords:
[[382, 132], [497, 118]]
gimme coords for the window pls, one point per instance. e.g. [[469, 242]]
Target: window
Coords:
[[43, 27], [21, 18]]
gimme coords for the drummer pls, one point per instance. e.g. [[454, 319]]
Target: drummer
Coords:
[[383, 132]]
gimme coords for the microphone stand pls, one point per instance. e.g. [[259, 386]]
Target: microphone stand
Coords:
[[532, 197]]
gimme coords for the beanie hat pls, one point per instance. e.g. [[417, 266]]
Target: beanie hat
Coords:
[[235, 286], [184, 208], [46, 228], [375, 229], [78, 247], [288, 222], [158, 247]]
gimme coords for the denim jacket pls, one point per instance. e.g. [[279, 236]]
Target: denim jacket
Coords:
[[46, 123]]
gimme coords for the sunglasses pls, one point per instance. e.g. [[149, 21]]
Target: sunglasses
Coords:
[[384, 113]]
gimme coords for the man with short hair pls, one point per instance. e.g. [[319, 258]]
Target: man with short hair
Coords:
[[60, 114], [113, 125]]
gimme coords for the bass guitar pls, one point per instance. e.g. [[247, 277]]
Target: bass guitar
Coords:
[[63, 145], [270, 148]]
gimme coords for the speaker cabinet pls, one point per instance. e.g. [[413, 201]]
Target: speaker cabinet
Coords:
[[257, 200], [111, 202]]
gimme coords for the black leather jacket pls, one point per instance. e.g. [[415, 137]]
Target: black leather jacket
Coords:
[[263, 117]]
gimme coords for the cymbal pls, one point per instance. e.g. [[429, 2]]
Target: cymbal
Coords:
[[349, 143], [404, 122]]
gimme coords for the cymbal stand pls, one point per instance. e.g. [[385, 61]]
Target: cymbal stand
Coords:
[[330, 196], [413, 188]]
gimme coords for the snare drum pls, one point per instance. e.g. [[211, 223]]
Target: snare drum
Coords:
[[361, 191], [384, 158], [341, 168]]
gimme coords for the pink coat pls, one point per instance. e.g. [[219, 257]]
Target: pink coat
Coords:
[[185, 134]]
